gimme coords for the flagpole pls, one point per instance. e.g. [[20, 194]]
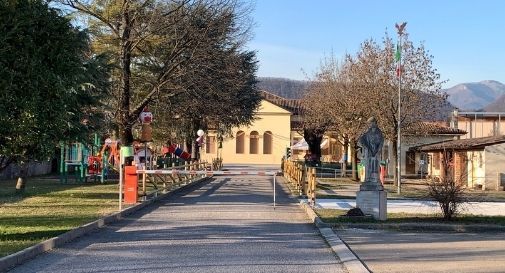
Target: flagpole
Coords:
[[400, 29]]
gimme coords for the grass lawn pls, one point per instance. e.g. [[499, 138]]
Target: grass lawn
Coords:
[[48, 208], [336, 216], [411, 189]]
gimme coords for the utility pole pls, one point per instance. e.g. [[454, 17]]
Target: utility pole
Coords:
[[398, 56]]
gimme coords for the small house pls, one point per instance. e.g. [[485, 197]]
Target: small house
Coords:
[[477, 162]]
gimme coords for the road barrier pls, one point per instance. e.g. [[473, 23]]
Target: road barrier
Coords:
[[208, 173], [173, 178]]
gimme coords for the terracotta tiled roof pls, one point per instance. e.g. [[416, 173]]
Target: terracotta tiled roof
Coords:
[[292, 105], [431, 128], [464, 144]]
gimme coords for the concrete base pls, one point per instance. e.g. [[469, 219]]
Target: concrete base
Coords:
[[373, 203]]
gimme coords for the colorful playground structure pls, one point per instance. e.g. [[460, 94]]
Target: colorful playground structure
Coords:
[[85, 161], [97, 161]]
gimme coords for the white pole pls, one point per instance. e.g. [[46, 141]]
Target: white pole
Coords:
[[274, 189], [399, 141], [120, 181]]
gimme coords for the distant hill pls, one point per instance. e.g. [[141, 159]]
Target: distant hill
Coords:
[[290, 89], [475, 96], [443, 112], [496, 106]]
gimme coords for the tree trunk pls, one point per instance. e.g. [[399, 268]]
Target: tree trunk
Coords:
[[194, 151], [125, 126], [21, 182], [354, 161], [344, 157], [314, 138]]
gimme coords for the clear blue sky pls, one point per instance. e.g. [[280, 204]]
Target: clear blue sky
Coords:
[[466, 37]]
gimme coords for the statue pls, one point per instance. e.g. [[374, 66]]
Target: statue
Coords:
[[371, 143]]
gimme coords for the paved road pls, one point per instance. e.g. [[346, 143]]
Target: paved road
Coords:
[[419, 206], [227, 225], [405, 252]]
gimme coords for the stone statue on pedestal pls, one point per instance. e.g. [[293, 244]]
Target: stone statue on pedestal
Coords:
[[371, 144], [371, 197]]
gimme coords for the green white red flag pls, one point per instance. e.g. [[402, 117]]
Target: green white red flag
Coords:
[[398, 57]]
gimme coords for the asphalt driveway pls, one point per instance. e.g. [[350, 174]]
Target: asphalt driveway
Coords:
[[227, 225]]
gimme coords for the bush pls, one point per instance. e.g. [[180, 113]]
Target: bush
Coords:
[[448, 190]]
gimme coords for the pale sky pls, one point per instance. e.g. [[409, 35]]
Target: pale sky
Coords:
[[465, 37]]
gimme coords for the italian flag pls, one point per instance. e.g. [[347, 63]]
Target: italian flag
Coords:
[[398, 56]]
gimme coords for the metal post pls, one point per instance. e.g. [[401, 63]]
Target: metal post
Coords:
[[120, 182], [399, 141], [400, 29], [274, 189]]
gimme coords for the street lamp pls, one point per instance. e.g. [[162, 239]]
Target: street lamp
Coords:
[[198, 143], [398, 56]]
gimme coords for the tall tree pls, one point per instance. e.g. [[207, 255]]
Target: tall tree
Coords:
[[49, 82], [152, 40], [218, 83], [374, 69], [366, 84], [334, 93]]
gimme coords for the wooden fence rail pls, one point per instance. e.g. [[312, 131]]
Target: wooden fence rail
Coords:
[[154, 183], [301, 179]]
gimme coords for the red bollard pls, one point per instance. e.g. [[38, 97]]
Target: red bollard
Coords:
[[130, 185]]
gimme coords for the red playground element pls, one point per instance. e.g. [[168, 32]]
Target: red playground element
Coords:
[[94, 165], [173, 149]]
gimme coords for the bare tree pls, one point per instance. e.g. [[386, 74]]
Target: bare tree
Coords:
[[373, 74], [366, 85], [448, 189], [334, 100]]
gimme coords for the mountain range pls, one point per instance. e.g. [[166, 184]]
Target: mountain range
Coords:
[[478, 96], [486, 95], [286, 88]]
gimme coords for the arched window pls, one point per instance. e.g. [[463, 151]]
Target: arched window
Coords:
[[239, 140], [267, 143], [254, 140]]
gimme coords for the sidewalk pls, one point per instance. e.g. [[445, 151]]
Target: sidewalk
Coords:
[[415, 206]]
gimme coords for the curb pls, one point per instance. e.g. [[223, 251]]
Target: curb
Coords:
[[351, 262], [424, 227], [10, 261]]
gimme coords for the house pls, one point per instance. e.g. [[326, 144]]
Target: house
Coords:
[[479, 124], [263, 142], [277, 127], [413, 162], [476, 162]]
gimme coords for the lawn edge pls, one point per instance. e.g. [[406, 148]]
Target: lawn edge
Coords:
[[17, 258]]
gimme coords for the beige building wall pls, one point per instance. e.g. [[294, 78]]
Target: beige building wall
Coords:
[[494, 159], [481, 127], [272, 122], [476, 169]]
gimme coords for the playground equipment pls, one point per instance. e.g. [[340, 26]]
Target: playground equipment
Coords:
[[73, 156], [173, 149], [168, 157], [86, 160], [110, 153]]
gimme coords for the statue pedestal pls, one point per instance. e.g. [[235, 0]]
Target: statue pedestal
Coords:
[[372, 202]]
